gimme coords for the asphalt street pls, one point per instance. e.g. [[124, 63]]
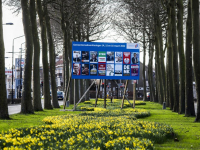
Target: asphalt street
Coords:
[[16, 108]]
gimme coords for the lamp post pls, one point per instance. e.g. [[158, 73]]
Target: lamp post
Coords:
[[12, 63], [21, 72], [9, 23]]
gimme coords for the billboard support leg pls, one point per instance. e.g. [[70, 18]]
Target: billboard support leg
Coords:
[[105, 93], [134, 95], [97, 93], [67, 91], [85, 93], [124, 94]]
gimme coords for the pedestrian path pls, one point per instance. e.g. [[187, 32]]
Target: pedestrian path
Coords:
[[16, 108]]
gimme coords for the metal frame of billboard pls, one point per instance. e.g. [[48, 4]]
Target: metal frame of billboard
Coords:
[[96, 60]]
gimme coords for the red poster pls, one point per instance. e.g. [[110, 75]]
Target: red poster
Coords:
[[102, 69], [126, 57]]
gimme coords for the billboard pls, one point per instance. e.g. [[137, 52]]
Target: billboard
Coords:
[[17, 63], [95, 60]]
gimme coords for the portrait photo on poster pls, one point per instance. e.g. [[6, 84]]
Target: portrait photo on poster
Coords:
[[110, 57], [76, 56], [134, 58], [76, 69], [93, 69], [118, 57], [85, 56], [93, 56], [85, 69]]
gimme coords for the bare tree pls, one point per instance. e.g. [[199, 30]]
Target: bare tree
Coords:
[[47, 99], [52, 59], [196, 51], [189, 103], [26, 102], [36, 60], [3, 96]]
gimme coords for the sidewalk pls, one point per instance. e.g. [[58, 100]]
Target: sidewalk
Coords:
[[16, 108]]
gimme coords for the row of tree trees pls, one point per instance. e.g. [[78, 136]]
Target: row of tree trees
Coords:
[[159, 26], [58, 21]]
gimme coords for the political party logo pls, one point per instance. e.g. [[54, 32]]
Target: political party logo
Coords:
[[126, 57], [126, 60], [102, 57]]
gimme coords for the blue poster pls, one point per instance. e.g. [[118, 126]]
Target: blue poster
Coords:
[[96, 60]]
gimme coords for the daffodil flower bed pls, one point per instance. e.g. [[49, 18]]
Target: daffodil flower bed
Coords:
[[115, 103], [137, 113], [87, 132]]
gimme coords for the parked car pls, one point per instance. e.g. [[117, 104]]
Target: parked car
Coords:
[[148, 95], [60, 95]]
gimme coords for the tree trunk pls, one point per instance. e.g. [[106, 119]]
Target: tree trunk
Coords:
[[3, 96], [150, 72], [181, 57], [158, 60], [52, 60], [196, 52], [26, 102], [36, 60], [144, 64], [189, 103], [47, 99], [161, 65], [169, 59], [175, 58]]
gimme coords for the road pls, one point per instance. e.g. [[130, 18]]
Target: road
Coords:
[[16, 108], [195, 107]]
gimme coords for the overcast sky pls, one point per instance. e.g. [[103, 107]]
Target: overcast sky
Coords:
[[12, 31]]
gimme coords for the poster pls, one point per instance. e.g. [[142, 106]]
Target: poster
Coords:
[[126, 57], [110, 70], [118, 57], [118, 70], [104, 60], [85, 56], [110, 57], [134, 70], [85, 69], [76, 56], [76, 69], [102, 57], [102, 69], [134, 58], [127, 70], [93, 69], [93, 57]]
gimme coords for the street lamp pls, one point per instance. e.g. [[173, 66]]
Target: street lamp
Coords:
[[21, 71], [12, 63], [9, 23]]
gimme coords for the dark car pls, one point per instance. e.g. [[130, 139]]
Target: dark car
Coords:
[[60, 95]]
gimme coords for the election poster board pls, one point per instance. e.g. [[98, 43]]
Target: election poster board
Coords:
[[96, 60]]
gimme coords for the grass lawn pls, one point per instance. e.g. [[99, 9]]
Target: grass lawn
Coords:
[[186, 131]]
